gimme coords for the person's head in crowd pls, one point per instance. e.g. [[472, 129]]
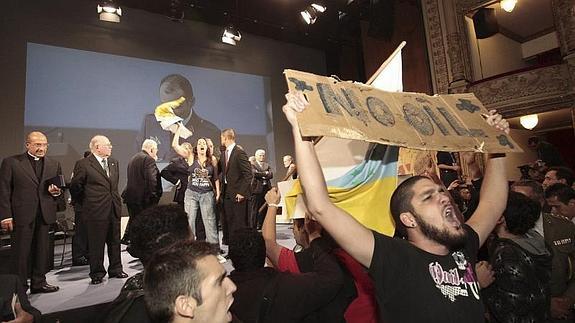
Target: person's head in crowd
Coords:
[[533, 142], [188, 147], [537, 172], [260, 155], [422, 211], [36, 144], [558, 174], [101, 146], [151, 147], [464, 192], [288, 160], [228, 137], [252, 160], [185, 283], [561, 199], [174, 86], [202, 149], [530, 188], [210, 146], [519, 216], [247, 250], [157, 227]]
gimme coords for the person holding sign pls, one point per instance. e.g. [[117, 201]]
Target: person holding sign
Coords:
[[429, 274]]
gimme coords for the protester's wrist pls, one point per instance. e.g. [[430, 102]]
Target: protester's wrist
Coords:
[[273, 205]]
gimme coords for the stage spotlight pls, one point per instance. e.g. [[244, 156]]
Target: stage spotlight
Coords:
[[310, 14], [109, 11], [508, 5], [231, 35]]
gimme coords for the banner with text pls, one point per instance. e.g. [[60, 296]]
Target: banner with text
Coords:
[[453, 122]]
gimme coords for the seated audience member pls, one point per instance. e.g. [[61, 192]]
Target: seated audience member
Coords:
[[355, 302], [186, 283], [522, 266], [429, 276], [22, 312], [154, 228], [559, 235], [555, 175], [267, 295], [561, 199]]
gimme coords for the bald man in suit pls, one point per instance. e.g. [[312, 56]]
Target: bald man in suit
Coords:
[[28, 206], [95, 186]]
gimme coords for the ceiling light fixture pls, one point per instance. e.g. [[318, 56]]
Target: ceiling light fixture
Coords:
[[311, 13], [109, 11], [231, 35], [529, 121], [508, 5]]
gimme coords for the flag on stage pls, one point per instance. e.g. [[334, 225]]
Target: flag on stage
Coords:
[[360, 176]]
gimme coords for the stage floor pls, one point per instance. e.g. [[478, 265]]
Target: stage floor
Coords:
[[76, 291]]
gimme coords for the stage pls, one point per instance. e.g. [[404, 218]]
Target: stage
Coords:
[[75, 289]]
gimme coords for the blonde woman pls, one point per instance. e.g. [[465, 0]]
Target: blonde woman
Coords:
[[203, 185]]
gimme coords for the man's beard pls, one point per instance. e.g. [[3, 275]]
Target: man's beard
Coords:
[[453, 241]]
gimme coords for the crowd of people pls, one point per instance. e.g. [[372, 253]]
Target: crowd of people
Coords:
[[465, 250]]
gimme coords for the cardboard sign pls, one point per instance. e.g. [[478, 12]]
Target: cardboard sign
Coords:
[[357, 111]]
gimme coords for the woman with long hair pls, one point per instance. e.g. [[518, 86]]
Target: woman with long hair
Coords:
[[203, 186]]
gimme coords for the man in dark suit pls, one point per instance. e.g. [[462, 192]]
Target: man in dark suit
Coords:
[[261, 184], [172, 87], [144, 187], [28, 205], [80, 238], [237, 176], [95, 186]]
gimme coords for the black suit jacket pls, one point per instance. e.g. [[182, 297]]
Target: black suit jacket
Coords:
[[238, 173], [21, 192], [94, 190], [261, 181], [144, 182], [177, 170]]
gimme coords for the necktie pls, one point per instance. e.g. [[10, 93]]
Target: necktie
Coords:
[[105, 166]]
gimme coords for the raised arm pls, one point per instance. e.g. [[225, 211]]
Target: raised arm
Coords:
[[273, 249], [176, 144], [493, 196], [352, 236]]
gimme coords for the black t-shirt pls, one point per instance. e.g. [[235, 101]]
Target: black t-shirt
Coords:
[[413, 285]]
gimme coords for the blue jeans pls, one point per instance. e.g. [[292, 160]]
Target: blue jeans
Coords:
[[207, 204]]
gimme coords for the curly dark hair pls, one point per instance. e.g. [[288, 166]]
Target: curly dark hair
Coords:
[[155, 228], [247, 249], [521, 213]]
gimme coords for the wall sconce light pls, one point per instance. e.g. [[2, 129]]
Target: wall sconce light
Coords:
[[109, 11], [508, 5], [529, 121], [231, 35]]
